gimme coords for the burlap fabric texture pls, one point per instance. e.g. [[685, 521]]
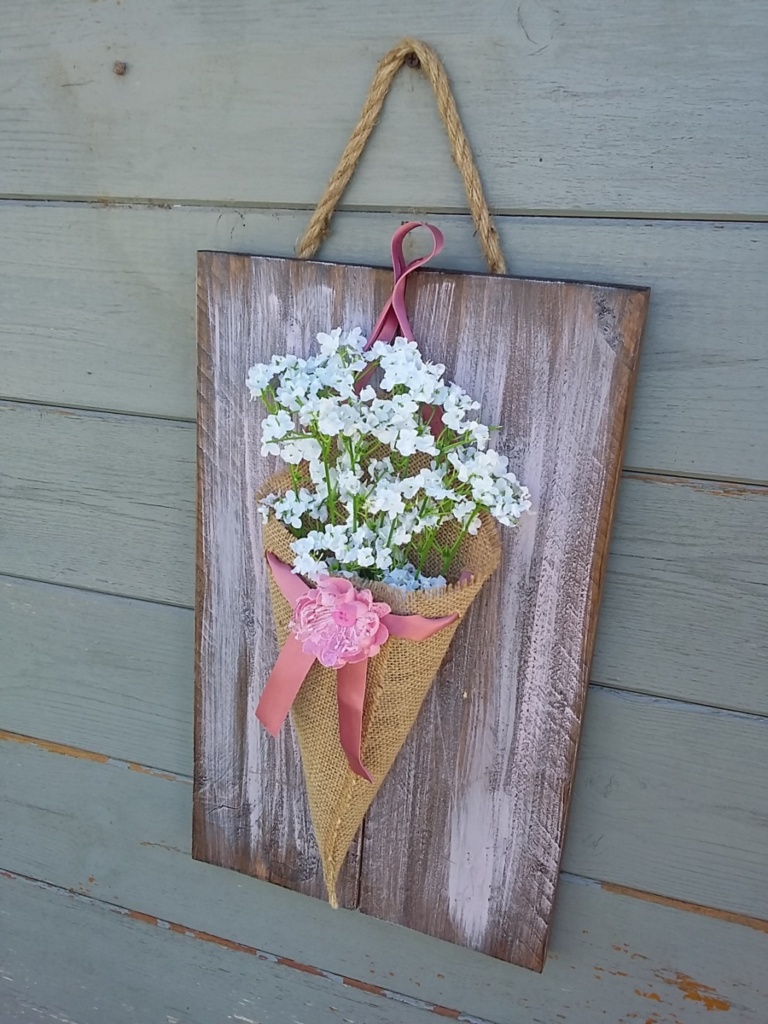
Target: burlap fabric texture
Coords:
[[397, 682]]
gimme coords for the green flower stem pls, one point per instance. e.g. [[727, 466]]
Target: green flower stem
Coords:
[[331, 494], [450, 554], [429, 542]]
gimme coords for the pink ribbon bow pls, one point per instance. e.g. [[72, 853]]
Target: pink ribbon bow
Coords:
[[341, 628]]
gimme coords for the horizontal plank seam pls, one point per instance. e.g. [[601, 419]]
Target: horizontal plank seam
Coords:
[[612, 692], [717, 486], [163, 202], [82, 754], [731, 486], [95, 410], [241, 947], [635, 691], [595, 684], [37, 581], [635, 697], [78, 411], [758, 924]]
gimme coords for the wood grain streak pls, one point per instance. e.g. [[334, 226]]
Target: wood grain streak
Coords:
[[466, 847], [251, 811]]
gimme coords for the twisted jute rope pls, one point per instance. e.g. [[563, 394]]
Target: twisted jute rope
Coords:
[[416, 54]]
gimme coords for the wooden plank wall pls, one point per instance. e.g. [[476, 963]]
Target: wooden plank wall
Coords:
[[618, 141]]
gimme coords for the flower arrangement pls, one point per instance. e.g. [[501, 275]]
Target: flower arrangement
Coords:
[[378, 473], [378, 537]]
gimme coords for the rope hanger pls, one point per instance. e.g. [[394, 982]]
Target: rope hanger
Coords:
[[416, 54]]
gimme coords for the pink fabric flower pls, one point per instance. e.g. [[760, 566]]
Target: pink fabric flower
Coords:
[[339, 624]]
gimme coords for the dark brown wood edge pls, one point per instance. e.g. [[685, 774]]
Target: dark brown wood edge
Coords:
[[435, 270], [597, 583], [199, 821]]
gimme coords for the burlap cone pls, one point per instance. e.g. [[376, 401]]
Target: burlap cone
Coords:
[[397, 682]]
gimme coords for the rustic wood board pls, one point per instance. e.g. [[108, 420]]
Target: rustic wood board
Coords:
[[468, 846]]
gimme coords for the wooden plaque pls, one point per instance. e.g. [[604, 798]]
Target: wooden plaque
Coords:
[[465, 837]]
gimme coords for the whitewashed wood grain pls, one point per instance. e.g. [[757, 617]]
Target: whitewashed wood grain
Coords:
[[464, 839], [576, 107], [97, 309], [605, 946], [554, 364], [686, 595], [251, 810]]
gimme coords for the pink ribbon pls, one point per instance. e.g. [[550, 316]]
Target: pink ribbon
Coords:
[[294, 662], [393, 321]]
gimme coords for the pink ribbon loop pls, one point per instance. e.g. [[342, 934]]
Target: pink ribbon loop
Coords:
[[393, 321], [293, 665]]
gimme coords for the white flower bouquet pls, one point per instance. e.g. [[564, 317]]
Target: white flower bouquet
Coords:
[[377, 473], [379, 534]]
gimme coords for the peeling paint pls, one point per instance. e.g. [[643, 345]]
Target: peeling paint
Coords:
[[697, 992], [756, 923], [79, 753], [717, 488], [649, 995], [133, 767], [54, 748], [354, 983]]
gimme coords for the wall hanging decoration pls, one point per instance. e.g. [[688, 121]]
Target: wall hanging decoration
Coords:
[[393, 635]]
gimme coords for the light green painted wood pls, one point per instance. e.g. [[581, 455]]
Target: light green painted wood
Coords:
[[106, 502], [669, 798], [101, 965], [628, 107], [590, 109], [122, 837], [659, 775], [98, 672], [99, 501], [685, 604], [93, 973], [97, 309], [76, 962]]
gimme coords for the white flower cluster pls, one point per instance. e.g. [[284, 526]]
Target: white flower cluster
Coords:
[[377, 470]]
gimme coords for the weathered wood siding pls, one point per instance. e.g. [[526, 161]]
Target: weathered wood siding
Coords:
[[620, 142]]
